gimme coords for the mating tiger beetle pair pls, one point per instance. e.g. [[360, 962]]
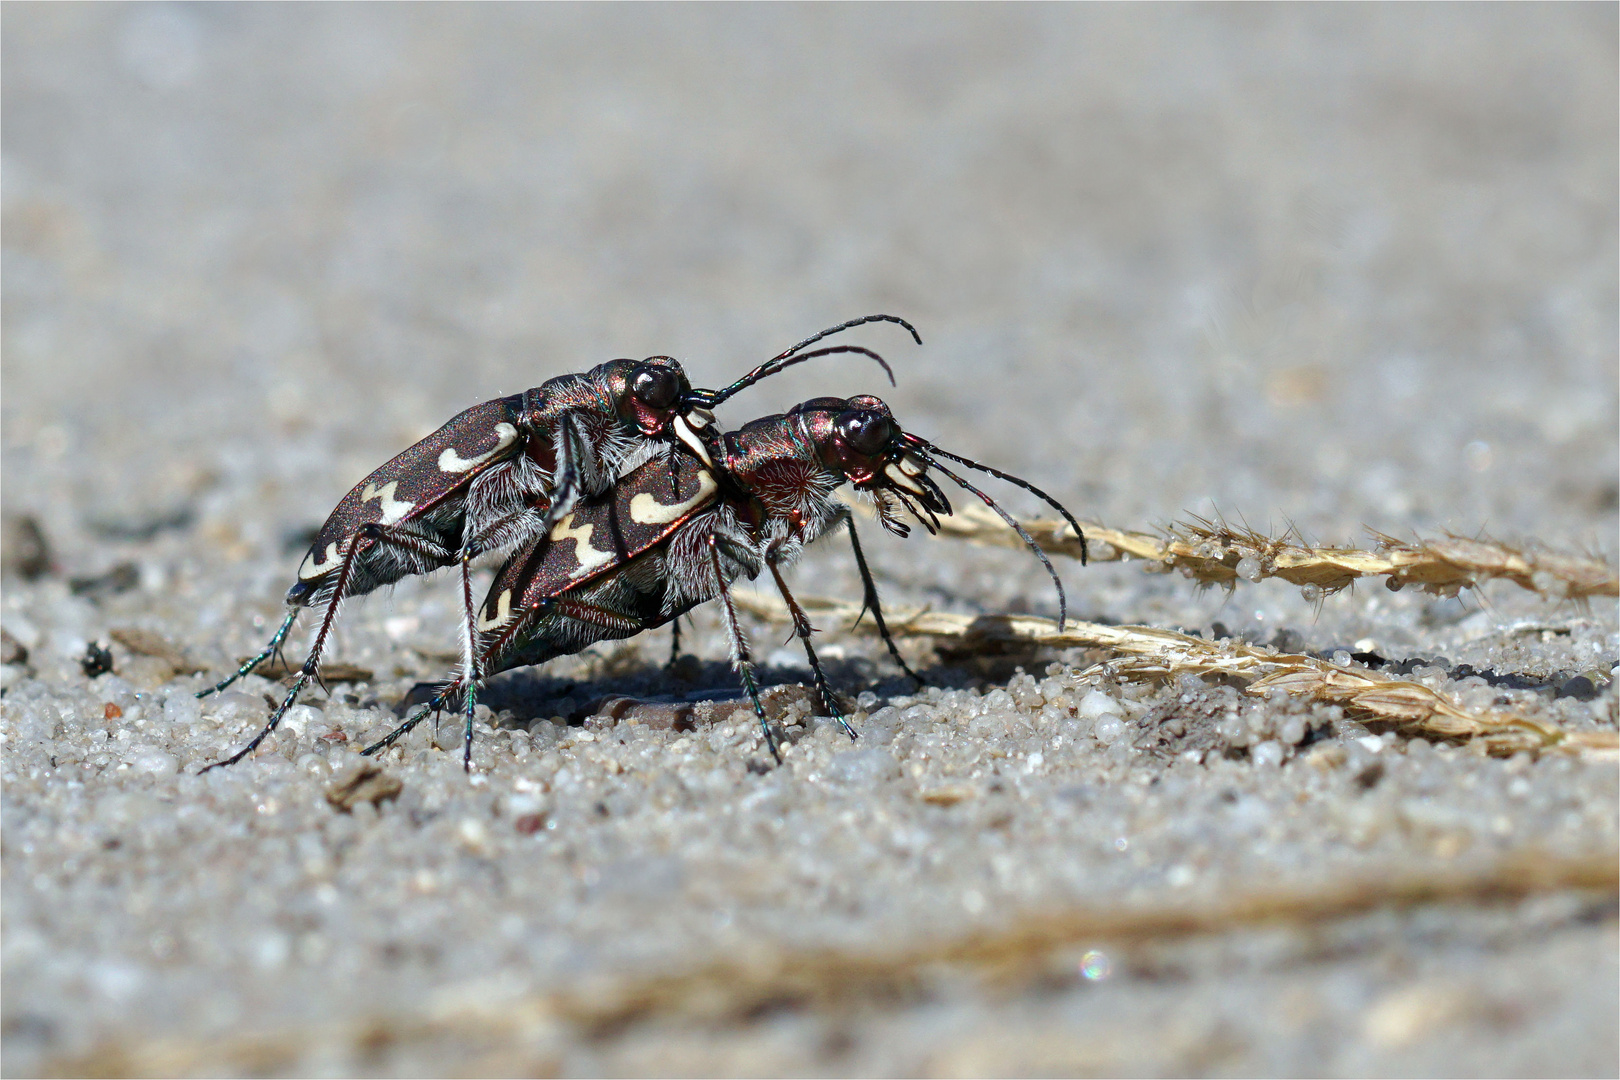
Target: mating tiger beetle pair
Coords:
[[621, 506]]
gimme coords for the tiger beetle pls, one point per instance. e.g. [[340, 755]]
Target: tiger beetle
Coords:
[[500, 476], [748, 502]]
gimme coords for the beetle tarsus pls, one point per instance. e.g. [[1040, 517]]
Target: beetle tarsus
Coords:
[[269, 727], [403, 729], [266, 653], [802, 628]]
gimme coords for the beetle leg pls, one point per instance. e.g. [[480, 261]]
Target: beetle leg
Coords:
[[511, 531], [405, 729], [340, 588], [469, 644], [674, 641], [569, 475], [264, 733], [467, 736], [742, 661], [248, 666], [802, 627], [869, 599], [596, 615]]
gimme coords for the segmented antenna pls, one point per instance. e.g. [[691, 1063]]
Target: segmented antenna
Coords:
[[1063, 600], [796, 355], [862, 321], [711, 398]]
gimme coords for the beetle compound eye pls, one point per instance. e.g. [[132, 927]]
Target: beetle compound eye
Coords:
[[866, 432], [655, 387]]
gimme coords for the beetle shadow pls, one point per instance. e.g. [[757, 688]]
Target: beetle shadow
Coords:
[[529, 694]]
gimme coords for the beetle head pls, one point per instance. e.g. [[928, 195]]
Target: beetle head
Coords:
[[860, 438], [656, 391]]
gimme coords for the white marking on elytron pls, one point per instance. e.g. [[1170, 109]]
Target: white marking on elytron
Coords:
[[588, 557], [683, 431], [452, 462], [310, 571], [902, 480], [645, 509], [503, 613], [392, 509]]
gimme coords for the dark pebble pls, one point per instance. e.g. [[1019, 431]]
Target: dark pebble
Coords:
[[120, 579], [24, 550], [12, 651], [1580, 688], [97, 660]]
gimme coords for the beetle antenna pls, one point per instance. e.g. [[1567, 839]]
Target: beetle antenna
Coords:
[[1025, 484], [1029, 541], [711, 398], [831, 330]]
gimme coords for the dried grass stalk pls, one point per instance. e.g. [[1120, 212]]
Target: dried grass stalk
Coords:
[[1031, 945], [1145, 651], [1215, 553], [493, 1033]]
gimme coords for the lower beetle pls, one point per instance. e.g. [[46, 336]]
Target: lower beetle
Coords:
[[643, 556]]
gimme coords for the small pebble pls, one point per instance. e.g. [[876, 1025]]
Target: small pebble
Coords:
[[1268, 754], [1108, 730], [156, 762], [181, 707], [1097, 704]]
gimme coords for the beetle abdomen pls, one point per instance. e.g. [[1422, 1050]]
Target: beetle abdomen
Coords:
[[414, 495]]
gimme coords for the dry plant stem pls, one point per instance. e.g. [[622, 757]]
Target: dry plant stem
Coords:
[[1027, 946], [510, 1035], [1218, 554], [1148, 652]]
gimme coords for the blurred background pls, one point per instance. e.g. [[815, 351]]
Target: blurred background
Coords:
[[1329, 265]]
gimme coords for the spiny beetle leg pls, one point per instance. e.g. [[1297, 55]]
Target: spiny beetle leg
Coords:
[[570, 482], [470, 652], [870, 602], [674, 643], [466, 745], [248, 666], [270, 725], [739, 648], [404, 729], [746, 669], [312, 662], [802, 628]]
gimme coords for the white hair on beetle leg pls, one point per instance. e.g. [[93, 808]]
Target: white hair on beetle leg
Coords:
[[628, 455], [689, 569]]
